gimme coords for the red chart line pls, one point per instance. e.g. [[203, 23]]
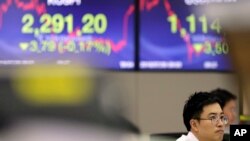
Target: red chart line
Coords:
[[150, 4], [123, 42], [32, 5]]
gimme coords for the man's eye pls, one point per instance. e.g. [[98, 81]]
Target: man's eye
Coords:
[[213, 117], [222, 117]]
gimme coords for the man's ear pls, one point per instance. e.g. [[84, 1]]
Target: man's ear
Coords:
[[194, 125]]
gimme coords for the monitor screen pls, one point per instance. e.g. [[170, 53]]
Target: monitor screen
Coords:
[[99, 33], [175, 36]]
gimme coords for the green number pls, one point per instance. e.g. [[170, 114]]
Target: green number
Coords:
[[69, 21], [46, 23], [100, 24], [191, 19], [71, 46], [208, 47], [44, 44], [60, 47], [215, 25], [203, 21], [51, 46], [94, 24], [173, 21], [89, 20], [225, 47], [28, 21], [57, 23], [34, 46], [218, 48]]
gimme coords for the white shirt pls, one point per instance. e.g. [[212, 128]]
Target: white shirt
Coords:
[[227, 130], [189, 137]]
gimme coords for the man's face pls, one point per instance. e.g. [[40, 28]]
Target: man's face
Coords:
[[206, 129], [230, 111]]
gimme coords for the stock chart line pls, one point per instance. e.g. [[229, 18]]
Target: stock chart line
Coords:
[[32, 5], [150, 4], [123, 42]]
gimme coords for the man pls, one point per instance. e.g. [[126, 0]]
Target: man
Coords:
[[228, 103], [203, 118]]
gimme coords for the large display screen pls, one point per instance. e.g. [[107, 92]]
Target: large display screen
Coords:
[[174, 35], [97, 32]]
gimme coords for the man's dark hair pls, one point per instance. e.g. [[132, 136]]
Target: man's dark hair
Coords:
[[195, 104], [224, 96]]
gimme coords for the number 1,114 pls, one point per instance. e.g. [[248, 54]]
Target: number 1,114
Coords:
[[192, 22]]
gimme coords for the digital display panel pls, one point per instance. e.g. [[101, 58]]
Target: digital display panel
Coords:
[[174, 35], [97, 32]]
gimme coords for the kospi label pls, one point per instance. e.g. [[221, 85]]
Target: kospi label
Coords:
[[63, 2], [239, 132]]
